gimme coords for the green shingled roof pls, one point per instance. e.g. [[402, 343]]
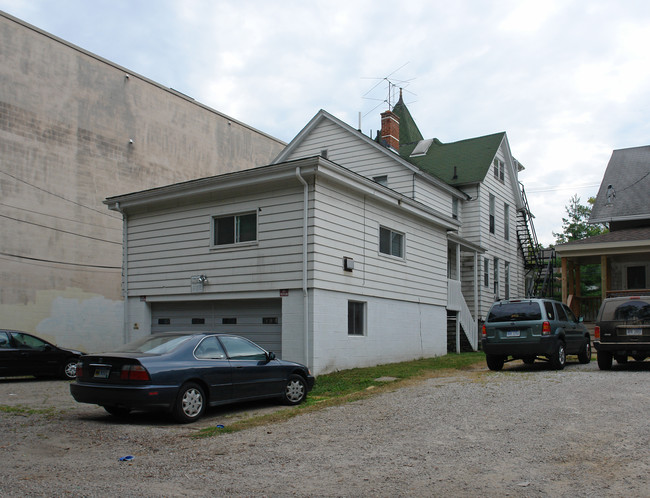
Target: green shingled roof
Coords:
[[471, 158], [408, 130]]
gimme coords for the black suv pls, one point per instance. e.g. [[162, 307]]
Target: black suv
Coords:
[[622, 330], [530, 329]]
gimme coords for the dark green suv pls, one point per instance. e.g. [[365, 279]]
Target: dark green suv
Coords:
[[533, 329]]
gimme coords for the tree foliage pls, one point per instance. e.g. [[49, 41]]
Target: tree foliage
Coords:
[[575, 226]]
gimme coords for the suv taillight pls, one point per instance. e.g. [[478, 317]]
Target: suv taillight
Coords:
[[79, 370], [596, 332], [546, 328], [484, 332], [134, 372]]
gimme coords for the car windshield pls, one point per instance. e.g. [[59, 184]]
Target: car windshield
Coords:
[[515, 312], [629, 310], [154, 344]]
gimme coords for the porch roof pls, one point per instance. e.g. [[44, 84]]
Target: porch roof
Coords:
[[629, 241]]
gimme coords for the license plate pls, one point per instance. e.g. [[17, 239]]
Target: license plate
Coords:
[[513, 333], [634, 332], [101, 373]]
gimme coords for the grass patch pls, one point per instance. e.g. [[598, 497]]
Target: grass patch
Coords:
[[21, 410], [350, 385]]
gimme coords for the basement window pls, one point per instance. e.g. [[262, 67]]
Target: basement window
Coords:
[[356, 318]]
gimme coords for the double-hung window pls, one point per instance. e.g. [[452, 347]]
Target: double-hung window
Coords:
[[499, 169], [492, 212], [391, 242], [235, 229], [506, 222]]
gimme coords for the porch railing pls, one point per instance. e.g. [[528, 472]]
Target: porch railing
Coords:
[[456, 302]]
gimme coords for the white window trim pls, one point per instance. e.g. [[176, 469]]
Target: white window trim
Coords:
[[214, 217], [391, 256]]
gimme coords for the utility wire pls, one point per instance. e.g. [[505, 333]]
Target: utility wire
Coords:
[[105, 213], [59, 230], [57, 217], [61, 262]]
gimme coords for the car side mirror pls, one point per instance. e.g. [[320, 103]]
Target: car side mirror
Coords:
[[270, 356], [581, 319]]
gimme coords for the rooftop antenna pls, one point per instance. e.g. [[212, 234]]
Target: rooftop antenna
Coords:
[[393, 85]]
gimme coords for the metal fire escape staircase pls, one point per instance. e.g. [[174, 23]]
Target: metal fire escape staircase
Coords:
[[539, 263]]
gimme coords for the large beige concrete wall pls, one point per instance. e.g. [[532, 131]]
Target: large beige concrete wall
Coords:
[[75, 129]]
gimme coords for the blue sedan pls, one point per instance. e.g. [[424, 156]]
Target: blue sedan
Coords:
[[183, 373]]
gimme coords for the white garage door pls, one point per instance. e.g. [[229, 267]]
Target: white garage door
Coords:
[[258, 320]]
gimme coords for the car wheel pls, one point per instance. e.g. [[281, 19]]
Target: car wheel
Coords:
[[604, 360], [69, 370], [529, 360], [190, 403], [118, 411], [584, 356], [295, 390], [558, 360], [494, 362]]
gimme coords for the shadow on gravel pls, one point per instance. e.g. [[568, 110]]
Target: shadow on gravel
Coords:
[[212, 416], [631, 366], [539, 366]]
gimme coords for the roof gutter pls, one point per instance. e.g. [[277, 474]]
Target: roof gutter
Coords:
[[305, 293]]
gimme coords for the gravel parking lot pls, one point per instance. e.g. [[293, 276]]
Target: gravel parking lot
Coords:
[[525, 431]]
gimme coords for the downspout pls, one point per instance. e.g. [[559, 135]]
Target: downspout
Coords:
[[125, 293], [305, 295]]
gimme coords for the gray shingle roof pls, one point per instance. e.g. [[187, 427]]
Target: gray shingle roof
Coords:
[[628, 173]]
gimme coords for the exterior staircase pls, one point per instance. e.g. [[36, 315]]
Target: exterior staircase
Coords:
[[539, 263]]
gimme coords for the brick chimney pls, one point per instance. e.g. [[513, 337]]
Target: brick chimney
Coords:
[[390, 129]]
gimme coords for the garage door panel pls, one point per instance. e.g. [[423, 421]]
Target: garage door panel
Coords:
[[257, 320]]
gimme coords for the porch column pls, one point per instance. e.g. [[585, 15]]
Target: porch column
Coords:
[[604, 277], [565, 272]]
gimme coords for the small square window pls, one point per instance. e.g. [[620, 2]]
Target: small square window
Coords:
[[229, 321], [164, 321], [391, 242], [235, 229], [198, 321], [381, 180], [270, 320], [356, 318]]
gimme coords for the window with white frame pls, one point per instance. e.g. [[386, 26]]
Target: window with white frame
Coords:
[[454, 208], [506, 277], [506, 221], [234, 229], [356, 318], [492, 212], [496, 278], [499, 169], [391, 242]]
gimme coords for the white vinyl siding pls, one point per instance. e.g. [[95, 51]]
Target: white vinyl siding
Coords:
[[167, 247], [348, 226]]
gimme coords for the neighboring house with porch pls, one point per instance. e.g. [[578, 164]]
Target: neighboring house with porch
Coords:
[[623, 203]]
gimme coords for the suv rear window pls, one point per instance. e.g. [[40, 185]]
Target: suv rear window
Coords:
[[515, 312], [634, 309]]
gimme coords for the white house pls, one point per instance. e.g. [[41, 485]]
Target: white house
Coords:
[[309, 259], [345, 252]]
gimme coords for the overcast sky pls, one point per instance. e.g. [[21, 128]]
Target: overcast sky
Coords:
[[568, 81]]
